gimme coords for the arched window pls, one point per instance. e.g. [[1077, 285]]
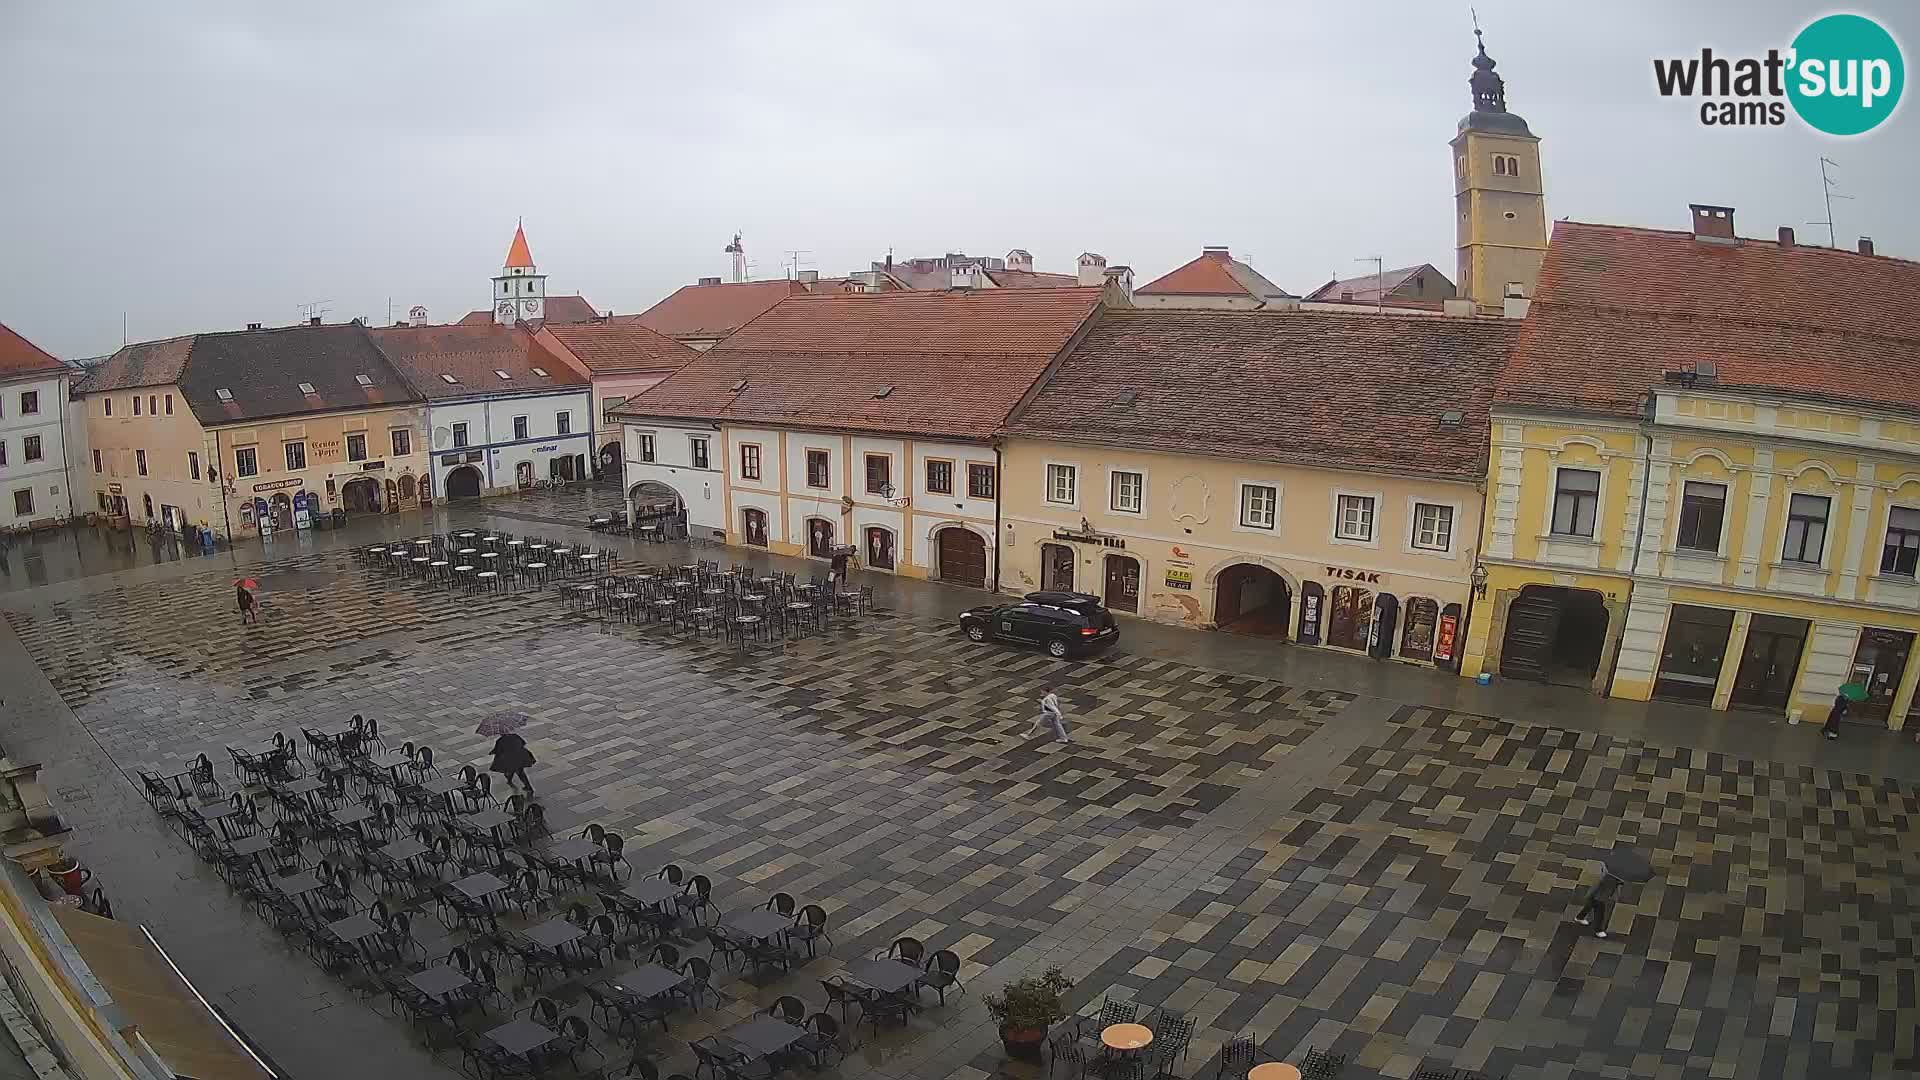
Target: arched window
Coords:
[[1499, 165]]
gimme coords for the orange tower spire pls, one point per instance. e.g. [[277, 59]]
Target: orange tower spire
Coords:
[[518, 255]]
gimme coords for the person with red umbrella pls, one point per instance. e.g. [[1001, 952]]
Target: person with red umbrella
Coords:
[[248, 613]]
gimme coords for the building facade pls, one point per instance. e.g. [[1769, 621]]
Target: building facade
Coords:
[[34, 487], [1700, 495], [1172, 466], [620, 358]]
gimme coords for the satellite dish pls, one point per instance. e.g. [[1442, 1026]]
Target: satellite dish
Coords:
[[442, 436]]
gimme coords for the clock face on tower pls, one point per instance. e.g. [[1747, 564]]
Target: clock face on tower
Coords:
[[505, 309], [530, 306]]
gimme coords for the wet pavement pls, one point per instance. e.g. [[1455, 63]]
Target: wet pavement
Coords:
[[1315, 849]]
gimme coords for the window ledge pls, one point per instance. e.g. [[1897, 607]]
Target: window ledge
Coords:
[[1900, 580], [1569, 538], [1697, 556], [1798, 567]]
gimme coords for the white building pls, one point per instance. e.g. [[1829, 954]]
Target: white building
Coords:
[[498, 418], [678, 466], [33, 444]]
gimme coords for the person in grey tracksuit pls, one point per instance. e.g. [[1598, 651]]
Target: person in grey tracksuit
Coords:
[[1050, 717]]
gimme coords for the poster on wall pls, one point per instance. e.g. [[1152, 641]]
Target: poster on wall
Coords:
[[1443, 639], [1179, 579]]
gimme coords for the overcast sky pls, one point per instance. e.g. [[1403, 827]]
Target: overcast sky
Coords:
[[199, 166]]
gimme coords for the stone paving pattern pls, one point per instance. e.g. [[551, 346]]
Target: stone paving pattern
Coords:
[[1315, 867]]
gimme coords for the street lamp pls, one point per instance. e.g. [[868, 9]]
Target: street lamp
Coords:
[[1479, 579]]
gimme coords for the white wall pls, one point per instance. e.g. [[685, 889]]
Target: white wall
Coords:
[[46, 478], [958, 504], [702, 490], [490, 430]]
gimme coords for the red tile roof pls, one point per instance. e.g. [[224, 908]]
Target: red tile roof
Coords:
[[473, 355], [18, 356], [1353, 391], [620, 347], [1618, 306], [950, 364], [1214, 273], [518, 254], [714, 311], [559, 309], [144, 363]]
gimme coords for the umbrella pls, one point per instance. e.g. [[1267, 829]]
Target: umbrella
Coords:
[[1628, 864], [1854, 691], [247, 583], [502, 722]]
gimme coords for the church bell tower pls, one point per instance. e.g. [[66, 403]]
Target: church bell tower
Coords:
[[519, 293], [1499, 198]]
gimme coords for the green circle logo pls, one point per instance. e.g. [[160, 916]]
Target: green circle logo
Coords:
[[1847, 74]]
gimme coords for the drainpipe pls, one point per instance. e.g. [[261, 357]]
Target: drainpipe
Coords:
[[1639, 531], [998, 479], [66, 448]]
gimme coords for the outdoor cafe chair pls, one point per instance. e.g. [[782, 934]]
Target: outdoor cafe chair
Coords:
[[697, 898], [1118, 1011], [891, 1007], [611, 853], [781, 902], [697, 981], [1236, 1058], [1171, 1034], [822, 1039], [789, 1008], [810, 926], [943, 971], [906, 949], [725, 949]]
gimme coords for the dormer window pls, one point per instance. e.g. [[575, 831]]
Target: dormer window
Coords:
[[363, 380], [223, 394], [448, 379], [306, 388], [542, 372], [502, 374]]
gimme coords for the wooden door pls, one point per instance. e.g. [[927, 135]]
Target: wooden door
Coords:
[[963, 557], [1533, 622], [1768, 663], [1123, 583]]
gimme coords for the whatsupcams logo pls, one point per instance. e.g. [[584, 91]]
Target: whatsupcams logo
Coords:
[[1842, 75]]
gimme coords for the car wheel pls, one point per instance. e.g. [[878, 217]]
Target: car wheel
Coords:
[[1057, 648], [976, 632]]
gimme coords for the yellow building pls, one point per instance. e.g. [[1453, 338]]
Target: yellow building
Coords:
[[1303, 476], [224, 431], [1704, 478], [1499, 196]]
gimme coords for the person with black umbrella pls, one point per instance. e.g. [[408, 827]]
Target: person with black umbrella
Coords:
[[1622, 865]]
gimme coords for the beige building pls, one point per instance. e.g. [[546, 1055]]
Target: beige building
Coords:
[[1309, 477], [220, 432]]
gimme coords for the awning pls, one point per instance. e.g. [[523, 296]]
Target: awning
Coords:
[[163, 1008]]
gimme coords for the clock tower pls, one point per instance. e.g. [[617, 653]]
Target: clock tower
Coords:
[[1500, 201], [519, 294]]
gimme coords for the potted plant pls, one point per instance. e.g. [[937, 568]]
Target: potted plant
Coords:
[[1025, 1009]]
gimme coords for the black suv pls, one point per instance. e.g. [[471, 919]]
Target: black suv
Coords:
[[1064, 623]]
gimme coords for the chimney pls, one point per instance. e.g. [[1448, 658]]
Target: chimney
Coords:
[[1713, 224], [1346, 296], [1457, 307], [1786, 237], [417, 315], [1216, 252], [253, 326], [809, 277], [709, 281], [961, 277], [1019, 260], [1093, 269], [1119, 285], [313, 320], [889, 260], [1866, 245]]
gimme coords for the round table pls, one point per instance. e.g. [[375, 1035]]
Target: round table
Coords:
[[521, 543], [463, 568], [418, 559], [753, 597], [436, 564], [561, 551], [585, 555], [468, 551], [1127, 1037], [1274, 1070], [490, 539], [376, 551], [421, 543], [489, 554]]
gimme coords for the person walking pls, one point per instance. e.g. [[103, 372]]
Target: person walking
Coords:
[[1831, 729], [247, 612], [1599, 902], [511, 757], [1050, 717]]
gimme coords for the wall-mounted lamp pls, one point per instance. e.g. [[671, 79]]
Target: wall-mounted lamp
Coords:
[[1479, 579]]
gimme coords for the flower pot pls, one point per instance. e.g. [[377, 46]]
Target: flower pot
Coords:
[[71, 875], [1023, 1044]]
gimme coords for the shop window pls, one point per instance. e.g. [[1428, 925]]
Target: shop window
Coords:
[[1062, 484], [245, 463], [1703, 509], [1432, 530], [1258, 505], [1416, 642], [1806, 529], [1694, 652], [1576, 502], [749, 462], [981, 482], [1128, 492], [1355, 518], [939, 477], [1902, 551], [357, 447], [819, 469], [753, 523]]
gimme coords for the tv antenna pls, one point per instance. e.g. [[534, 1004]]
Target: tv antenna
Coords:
[[738, 250], [793, 260], [1827, 184], [313, 310], [1379, 280]]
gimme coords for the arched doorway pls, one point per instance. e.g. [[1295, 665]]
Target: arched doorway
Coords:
[[753, 526], [1123, 584], [1056, 567], [463, 483], [361, 496], [610, 462], [1554, 634], [820, 538], [963, 556], [1252, 599], [406, 488], [879, 547]]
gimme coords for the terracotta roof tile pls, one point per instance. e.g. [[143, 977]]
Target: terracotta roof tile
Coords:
[[1214, 273], [1317, 388], [714, 311], [18, 356], [621, 347], [1617, 307], [144, 363], [955, 362], [518, 254], [473, 355]]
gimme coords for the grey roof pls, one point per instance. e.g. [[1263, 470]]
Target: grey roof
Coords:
[[262, 370], [1504, 123]]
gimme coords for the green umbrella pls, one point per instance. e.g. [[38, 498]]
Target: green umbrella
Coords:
[[1854, 691]]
